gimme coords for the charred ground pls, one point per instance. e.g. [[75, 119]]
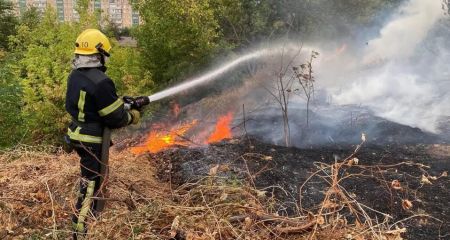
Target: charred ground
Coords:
[[279, 171]]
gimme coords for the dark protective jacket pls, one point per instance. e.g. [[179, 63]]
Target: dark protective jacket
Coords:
[[92, 102]]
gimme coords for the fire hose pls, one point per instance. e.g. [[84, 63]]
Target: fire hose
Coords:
[[136, 103]]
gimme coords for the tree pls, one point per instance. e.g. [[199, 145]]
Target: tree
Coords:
[[306, 80], [324, 18], [30, 17], [243, 22], [44, 52], [7, 22], [124, 67], [10, 105], [43, 71], [12, 124], [177, 36], [111, 29], [281, 89]]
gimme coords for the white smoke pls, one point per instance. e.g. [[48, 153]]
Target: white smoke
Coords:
[[400, 37], [397, 78]]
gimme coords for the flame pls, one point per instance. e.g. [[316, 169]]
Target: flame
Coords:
[[222, 129], [161, 140]]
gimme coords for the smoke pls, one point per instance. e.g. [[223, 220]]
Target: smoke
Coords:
[[400, 37], [396, 96], [402, 76]]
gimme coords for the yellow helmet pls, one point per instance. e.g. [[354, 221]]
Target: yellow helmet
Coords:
[[92, 41]]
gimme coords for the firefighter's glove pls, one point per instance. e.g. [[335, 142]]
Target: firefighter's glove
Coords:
[[135, 116], [128, 99]]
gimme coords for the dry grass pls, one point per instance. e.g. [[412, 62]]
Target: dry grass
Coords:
[[38, 189]]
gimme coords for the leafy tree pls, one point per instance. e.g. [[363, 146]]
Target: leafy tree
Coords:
[[44, 55], [19, 42], [10, 103], [7, 22], [43, 72], [243, 22], [111, 29], [324, 19], [124, 67], [44, 52], [177, 36], [30, 17], [12, 125]]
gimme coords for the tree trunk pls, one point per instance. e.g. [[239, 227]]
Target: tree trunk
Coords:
[[307, 112]]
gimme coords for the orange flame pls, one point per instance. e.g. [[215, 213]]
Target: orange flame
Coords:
[[222, 130], [161, 140]]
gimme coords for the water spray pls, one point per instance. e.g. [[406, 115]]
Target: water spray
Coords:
[[212, 75]]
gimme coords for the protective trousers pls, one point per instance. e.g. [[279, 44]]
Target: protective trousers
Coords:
[[90, 164]]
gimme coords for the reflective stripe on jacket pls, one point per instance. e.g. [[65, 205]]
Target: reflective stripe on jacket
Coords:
[[92, 102]]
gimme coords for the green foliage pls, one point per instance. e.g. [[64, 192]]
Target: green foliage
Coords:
[[31, 17], [10, 105], [244, 22], [177, 37], [45, 54], [329, 19], [7, 22], [11, 122], [44, 70], [88, 19], [360, 12], [44, 51], [111, 29], [124, 67]]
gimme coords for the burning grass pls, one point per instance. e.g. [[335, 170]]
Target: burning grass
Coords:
[[162, 137], [37, 190]]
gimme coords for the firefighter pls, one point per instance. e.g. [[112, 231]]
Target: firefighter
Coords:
[[94, 106]]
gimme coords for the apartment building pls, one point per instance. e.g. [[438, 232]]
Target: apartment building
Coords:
[[119, 12]]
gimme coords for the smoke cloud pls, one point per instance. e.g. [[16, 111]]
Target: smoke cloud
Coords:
[[403, 75], [400, 37]]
